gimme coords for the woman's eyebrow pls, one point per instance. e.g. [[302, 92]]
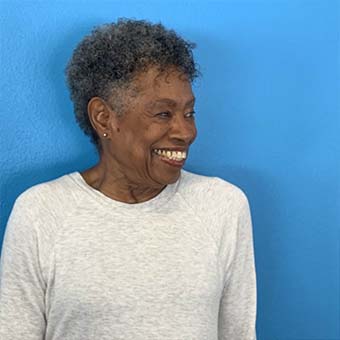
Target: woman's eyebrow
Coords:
[[170, 102], [190, 102]]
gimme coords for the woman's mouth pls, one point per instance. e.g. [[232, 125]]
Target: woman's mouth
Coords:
[[174, 158]]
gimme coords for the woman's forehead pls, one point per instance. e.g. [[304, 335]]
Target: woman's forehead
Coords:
[[170, 102], [155, 88], [154, 78]]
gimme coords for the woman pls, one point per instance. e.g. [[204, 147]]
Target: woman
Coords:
[[134, 247]]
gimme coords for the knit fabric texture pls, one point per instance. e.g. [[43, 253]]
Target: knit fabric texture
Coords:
[[78, 265]]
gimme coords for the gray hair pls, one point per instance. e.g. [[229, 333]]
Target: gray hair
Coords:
[[110, 57]]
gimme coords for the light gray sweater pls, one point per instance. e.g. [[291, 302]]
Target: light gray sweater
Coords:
[[77, 265]]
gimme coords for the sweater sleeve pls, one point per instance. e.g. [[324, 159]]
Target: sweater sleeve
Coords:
[[237, 315], [22, 287]]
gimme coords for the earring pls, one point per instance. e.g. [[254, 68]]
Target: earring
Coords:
[[105, 134]]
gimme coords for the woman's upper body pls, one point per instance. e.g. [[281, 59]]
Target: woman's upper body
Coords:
[[78, 265], [134, 247]]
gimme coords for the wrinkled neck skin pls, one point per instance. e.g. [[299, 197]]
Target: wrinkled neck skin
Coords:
[[109, 179]]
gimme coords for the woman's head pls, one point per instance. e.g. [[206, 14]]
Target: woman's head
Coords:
[[107, 62]]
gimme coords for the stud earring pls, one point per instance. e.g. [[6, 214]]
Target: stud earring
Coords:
[[105, 134]]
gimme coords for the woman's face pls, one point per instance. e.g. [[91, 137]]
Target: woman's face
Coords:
[[156, 129]]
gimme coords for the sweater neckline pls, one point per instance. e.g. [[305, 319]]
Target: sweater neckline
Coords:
[[163, 197]]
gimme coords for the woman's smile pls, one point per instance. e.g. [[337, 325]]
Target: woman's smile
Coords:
[[175, 158]]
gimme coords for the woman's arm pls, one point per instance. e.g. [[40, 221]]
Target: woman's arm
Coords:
[[22, 287], [237, 315]]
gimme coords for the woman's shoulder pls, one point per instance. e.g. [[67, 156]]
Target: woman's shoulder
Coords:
[[59, 192], [211, 188], [40, 208], [213, 200]]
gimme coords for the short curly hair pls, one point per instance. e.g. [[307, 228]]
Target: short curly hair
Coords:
[[111, 56]]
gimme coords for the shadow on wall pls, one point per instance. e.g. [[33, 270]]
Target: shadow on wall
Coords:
[[78, 153], [56, 72]]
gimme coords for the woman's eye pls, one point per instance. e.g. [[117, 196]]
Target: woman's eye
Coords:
[[190, 114], [163, 114], [167, 114]]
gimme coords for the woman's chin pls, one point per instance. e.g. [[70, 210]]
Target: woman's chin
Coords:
[[166, 171], [166, 178]]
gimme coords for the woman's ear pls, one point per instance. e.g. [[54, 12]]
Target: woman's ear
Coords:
[[102, 118]]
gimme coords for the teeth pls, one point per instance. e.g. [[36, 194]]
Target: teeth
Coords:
[[174, 155]]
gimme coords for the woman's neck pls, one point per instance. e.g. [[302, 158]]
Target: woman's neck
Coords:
[[116, 185]]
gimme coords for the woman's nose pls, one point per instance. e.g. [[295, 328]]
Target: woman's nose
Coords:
[[183, 129]]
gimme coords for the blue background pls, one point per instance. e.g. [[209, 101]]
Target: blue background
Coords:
[[268, 116]]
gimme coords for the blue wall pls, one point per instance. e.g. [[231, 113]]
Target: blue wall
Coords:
[[268, 119]]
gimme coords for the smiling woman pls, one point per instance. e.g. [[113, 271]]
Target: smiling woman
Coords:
[[160, 117], [134, 247]]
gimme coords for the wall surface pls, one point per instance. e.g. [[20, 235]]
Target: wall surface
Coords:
[[268, 115]]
